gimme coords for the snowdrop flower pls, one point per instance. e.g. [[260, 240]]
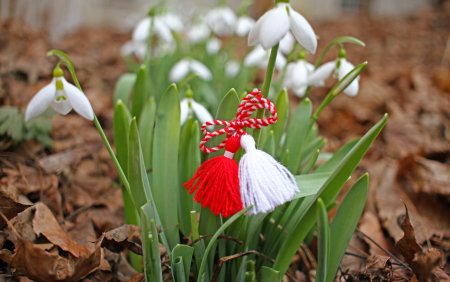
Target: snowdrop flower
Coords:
[[181, 69], [162, 26], [61, 96], [341, 67], [277, 22], [213, 46], [259, 57], [244, 25], [198, 32], [232, 68], [137, 48], [296, 77], [221, 21], [189, 105]]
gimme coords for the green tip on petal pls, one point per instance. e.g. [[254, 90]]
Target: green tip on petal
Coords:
[[59, 84], [58, 72]]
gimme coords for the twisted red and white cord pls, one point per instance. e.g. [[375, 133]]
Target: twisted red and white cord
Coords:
[[252, 102]]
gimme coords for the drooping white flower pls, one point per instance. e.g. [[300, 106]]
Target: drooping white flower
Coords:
[[244, 25], [198, 33], [60, 95], [213, 45], [163, 26], [189, 105], [232, 68], [277, 22], [259, 57], [296, 77], [341, 67], [137, 48], [181, 69], [221, 20]]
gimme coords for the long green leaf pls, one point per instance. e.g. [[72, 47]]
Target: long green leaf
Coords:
[[146, 130], [323, 238], [183, 253], [124, 86], [345, 222], [150, 245], [268, 274], [165, 159], [296, 134], [141, 92], [303, 218], [310, 184], [189, 161]]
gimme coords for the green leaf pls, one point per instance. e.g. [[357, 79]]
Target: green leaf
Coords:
[[282, 105], [165, 159], [213, 240], [345, 222], [141, 93], [323, 241], [296, 134], [267, 274], [303, 218], [150, 245], [199, 245], [121, 129], [268, 145], [124, 86], [190, 160], [146, 130], [310, 184], [182, 253]]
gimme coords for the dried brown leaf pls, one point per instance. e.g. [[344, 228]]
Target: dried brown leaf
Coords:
[[123, 237]]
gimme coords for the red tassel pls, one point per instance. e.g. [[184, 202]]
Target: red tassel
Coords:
[[216, 182]]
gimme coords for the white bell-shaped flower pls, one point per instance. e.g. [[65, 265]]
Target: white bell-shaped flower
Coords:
[[213, 45], [244, 25], [277, 22], [296, 77], [181, 69], [162, 27], [232, 68], [60, 95], [341, 67], [198, 33], [137, 48], [189, 105], [221, 21], [259, 57], [287, 43]]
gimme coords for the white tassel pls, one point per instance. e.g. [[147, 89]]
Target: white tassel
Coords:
[[264, 182]]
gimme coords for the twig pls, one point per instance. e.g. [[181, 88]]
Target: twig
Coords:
[[384, 250], [224, 237]]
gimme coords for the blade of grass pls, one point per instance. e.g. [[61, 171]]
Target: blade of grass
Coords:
[[124, 86], [182, 253], [146, 130], [323, 241], [150, 245], [141, 93]]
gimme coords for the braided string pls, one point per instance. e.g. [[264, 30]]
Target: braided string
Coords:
[[252, 102]]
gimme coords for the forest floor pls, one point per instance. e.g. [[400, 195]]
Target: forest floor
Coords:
[[64, 193]]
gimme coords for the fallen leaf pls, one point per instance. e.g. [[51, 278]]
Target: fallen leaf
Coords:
[[407, 245], [124, 237]]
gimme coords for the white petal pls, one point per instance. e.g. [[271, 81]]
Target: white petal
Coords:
[[310, 67], [184, 111], [274, 25], [287, 43], [253, 36], [163, 31], [41, 101], [140, 32], [200, 69], [78, 100], [179, 71], [244, 25], [201, 112], [289, 75], [257, 56], [62, 107], [221, 20], [232, 68], [300, 74], [344, 69], [198, 33], [300, 92], [173, 22], [302, 31], [321, 73], [213, 46]]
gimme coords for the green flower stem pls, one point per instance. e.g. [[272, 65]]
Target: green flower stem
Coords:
[[266, 86]]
